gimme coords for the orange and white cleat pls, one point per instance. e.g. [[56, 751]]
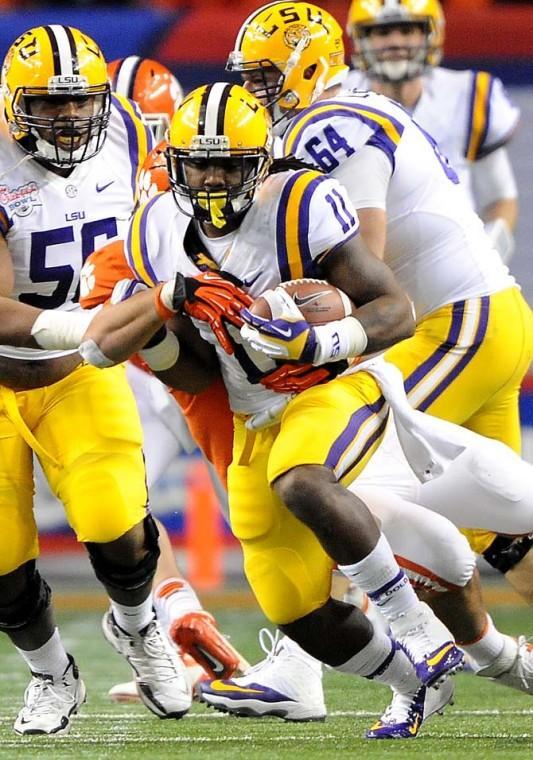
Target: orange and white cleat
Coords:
[[196, 634]]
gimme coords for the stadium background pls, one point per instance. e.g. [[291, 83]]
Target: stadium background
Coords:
[[193, 39]]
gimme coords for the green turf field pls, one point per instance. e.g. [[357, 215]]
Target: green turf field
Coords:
[[486, 721]]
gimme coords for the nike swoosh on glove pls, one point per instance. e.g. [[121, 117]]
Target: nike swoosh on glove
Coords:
[[212, 297], [286, 336]]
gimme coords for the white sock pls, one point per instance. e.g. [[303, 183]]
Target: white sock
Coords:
[[49, 659], [487, 648], [383, 661], [133, 619], [173, 598], [383, 580]]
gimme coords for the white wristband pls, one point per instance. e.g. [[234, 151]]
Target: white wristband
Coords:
[[90, 351], [341, 339], [164, 355], [167, 294], [59, 330]]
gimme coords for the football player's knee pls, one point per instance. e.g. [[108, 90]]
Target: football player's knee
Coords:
[[297, 488], [127, 576], [446, 556], [105, 500], [457, 562], [28, 604], [283, 585]]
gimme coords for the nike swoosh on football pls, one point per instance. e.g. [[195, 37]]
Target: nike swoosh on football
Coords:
[[303, 301], [100, 188]]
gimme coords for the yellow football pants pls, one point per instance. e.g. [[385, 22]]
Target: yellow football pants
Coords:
[[338, 425], [87, 434], [466, 363]]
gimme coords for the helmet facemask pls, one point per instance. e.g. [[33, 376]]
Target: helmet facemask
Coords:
[[222, 204], [275, 91], [61, 140], [396, 63], [159, 124]]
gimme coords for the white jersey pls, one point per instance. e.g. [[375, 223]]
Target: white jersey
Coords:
[[52, 223], [296, 218], [467, 112], [436, 244]]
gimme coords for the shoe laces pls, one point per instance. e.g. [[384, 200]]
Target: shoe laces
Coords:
[[416, 640], [42, 696], [270, 644], [401, 709], [161, 660]]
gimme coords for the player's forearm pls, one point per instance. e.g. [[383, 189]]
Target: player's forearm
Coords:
[[386, 320], [16, 322], [125, 328]]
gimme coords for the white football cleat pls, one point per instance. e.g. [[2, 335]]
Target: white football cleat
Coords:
[[160, 675], [428, 643], [49, 704], [287, 684], [126, 692], [405, 715], [514, 665]]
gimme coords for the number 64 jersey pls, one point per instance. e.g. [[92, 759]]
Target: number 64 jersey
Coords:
[[52, 223], [296, 218], [436, 245]]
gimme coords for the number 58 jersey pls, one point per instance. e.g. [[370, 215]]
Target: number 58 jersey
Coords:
[[296, 218], [51, 223]]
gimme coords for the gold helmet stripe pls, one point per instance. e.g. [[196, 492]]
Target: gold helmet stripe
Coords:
[[63, 49]]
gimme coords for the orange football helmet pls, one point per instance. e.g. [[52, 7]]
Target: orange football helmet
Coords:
[[151, 85], [153, 177]]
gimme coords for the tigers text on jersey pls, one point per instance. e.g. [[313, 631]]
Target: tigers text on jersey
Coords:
[[467, 112], [436, 244], [296, 217], [52, 223]]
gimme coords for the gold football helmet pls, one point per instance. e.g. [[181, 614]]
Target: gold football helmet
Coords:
[[300, 44], [45, 69], [219, 151], [151, 85], [367, 15]]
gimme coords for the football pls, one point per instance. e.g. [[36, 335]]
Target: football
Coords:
[[318, 301]]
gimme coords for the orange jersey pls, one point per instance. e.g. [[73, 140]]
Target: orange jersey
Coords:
[[208, 415]]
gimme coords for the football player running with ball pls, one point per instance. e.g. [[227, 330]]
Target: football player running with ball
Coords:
[[259, 223]]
